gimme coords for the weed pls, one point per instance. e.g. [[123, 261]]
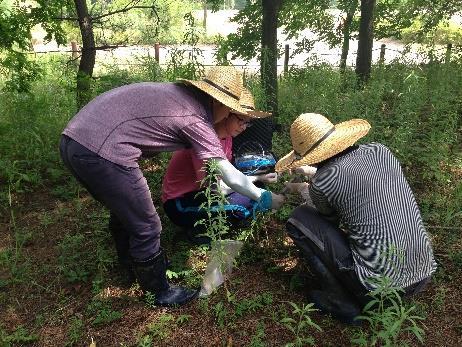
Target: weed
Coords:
[[258, 339], [183, 319], [253, 305], [300, 325], [71, 262], [150, 299], [160, 329], [388, 317], [18, 337], [102, 312], [220, 314], [75, 332]]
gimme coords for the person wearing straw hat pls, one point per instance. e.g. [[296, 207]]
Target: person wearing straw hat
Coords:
[[102, 143], [365, 223], [182, 181]]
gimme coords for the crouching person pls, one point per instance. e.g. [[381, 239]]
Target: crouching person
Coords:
[[363, 222]]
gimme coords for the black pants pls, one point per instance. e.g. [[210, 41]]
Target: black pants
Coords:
[[124, 191]]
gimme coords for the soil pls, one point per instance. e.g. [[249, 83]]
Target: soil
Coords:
[[47, 305]]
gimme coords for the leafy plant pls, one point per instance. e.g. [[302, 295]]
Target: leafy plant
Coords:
[[300, 325], [257, 340], [19, 336], [388, 316], [75, 332]]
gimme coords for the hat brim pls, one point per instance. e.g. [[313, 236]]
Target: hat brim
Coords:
[[344, 136], [217, 94]]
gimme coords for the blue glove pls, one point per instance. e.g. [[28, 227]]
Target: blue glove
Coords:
[[264, 203]]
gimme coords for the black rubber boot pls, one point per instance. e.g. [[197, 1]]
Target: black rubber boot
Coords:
[[152, 278], [332, 298]]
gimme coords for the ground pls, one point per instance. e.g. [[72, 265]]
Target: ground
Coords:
[[246, 311]]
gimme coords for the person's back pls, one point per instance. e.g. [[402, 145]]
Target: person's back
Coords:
[[376, 206], [140, 119]]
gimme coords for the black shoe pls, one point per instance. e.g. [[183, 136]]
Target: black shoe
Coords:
[[339, 306], [152, 278]]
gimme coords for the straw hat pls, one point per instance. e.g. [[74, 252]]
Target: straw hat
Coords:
[[315, 138], [248, 104], [223, 83]]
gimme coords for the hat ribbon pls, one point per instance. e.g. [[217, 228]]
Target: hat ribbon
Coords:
[[316, 144], [248, 107], [220, 88]]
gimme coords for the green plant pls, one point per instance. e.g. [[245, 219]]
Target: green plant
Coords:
[[388, 316], [150, 299], [220, 314], [300, 325], [216, 224], [257, 339], [161, 329], [190, 67], [71, 263], [19, 336], [75, 332]]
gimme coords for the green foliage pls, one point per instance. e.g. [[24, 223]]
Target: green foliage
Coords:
[[100, 308], [216, 223], [388, 317], [73, 266], [158, 330], [259, 337], [184, 62], [300, 324], [18, 337], [75, 332]]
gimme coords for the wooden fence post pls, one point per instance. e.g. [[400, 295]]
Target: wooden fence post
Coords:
[[447, 58], [156, 52], [382, 54], [75, 50], [286, 59]]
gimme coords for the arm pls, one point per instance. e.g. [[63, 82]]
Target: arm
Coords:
[[237, 181]]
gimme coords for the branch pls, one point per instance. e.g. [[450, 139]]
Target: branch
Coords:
[[74, 19], [126, 9]]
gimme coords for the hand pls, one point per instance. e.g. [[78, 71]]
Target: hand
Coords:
[[306, 170], [271, 177], [277, 201], [296, 187]]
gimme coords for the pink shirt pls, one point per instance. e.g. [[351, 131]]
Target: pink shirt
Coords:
[[184, 171]]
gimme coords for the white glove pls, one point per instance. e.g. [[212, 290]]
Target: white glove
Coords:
[[271, 177], [306, 170]]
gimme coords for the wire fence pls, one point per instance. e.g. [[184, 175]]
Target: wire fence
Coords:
[[128, 56]]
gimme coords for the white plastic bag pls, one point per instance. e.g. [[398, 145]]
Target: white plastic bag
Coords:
[[220, 265]]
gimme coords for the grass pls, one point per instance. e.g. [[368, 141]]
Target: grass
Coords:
[[57, 281]]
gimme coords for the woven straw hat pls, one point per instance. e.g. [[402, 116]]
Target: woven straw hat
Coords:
[[248, 104], [223, 83], [315, 138]]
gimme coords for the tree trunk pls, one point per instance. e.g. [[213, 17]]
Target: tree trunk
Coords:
[[204, 23], [365, 42], [268, 64], [346, 31], [87, 61]]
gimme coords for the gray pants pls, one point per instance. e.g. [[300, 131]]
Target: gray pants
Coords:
[[314, 234], [124, 191]]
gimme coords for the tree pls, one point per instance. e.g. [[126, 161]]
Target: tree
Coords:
[[365, 42], [269, 54]]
